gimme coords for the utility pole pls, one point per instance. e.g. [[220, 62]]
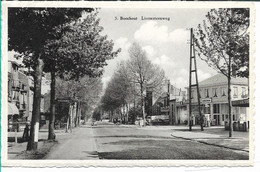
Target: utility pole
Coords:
[[168, 96], [193, 63]]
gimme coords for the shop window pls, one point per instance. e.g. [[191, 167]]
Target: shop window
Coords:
[[214, 92], [206, 93], [235, 92], [223, 91], [216, 108]]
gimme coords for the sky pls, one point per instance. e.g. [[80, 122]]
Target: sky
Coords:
[[165, 41]]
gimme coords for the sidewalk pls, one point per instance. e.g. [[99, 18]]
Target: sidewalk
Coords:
[[15, 150], [78, 145], [215, 136]]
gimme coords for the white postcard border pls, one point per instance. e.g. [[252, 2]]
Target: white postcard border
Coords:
[[121, 163]]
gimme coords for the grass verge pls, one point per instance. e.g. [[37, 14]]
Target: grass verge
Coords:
[[44, 148]]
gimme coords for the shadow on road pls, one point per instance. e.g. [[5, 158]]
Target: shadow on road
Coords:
[[168, 149], [133, 136]]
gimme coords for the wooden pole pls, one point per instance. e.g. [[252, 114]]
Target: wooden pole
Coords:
[[189, 120], [192, 56], [197, 83]]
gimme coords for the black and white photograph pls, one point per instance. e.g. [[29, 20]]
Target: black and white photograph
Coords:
[[90, 83]]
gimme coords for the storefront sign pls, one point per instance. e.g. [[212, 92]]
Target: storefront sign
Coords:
[[163, 117], [241, 103], [206, 101], [164, 109]]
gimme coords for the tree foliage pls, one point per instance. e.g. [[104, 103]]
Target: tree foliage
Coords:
[[86, 90], [31, 29], [225, 35], [81, 49]]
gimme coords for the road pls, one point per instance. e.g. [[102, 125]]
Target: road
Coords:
[[108, 141]]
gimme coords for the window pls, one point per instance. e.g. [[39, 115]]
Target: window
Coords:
[[206, 93], [244, 93], [233, 117], [200, 93], [216, 108], [214, 92], [207, 110], [235, 92], [223, 91], [223, 117]]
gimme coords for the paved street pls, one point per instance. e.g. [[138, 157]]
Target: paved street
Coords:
[[108, 141]]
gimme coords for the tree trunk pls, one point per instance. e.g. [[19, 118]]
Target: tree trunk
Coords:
[[79, 111], [70, 118], [229, 100], [127, 112], [51, 135], [67, 124], [143, 108], [85, 119], [108, 116], [76, 117], [142, 99], [34, 131]]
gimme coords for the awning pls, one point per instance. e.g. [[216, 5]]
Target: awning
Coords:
[[12, 109], [241, 103]]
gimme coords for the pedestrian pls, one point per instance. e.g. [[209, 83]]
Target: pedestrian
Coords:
[[26, 133]]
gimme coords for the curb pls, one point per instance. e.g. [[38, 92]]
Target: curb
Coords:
[[221, 146]]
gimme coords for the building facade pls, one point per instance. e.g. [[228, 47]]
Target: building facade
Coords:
[[18, 93], [214, 99]]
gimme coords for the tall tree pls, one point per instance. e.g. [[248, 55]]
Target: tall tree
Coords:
[[29, 31], [223, 43], [80, 50], [143, 73]]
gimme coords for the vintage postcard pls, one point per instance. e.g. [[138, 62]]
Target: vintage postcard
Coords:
[[127, 84]]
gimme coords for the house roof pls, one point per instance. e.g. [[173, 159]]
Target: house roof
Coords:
[[220, 79], [23, 78], [13, 62]]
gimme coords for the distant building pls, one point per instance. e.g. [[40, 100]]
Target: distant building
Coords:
[[178, 112], [162, 108], [214, 99]]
